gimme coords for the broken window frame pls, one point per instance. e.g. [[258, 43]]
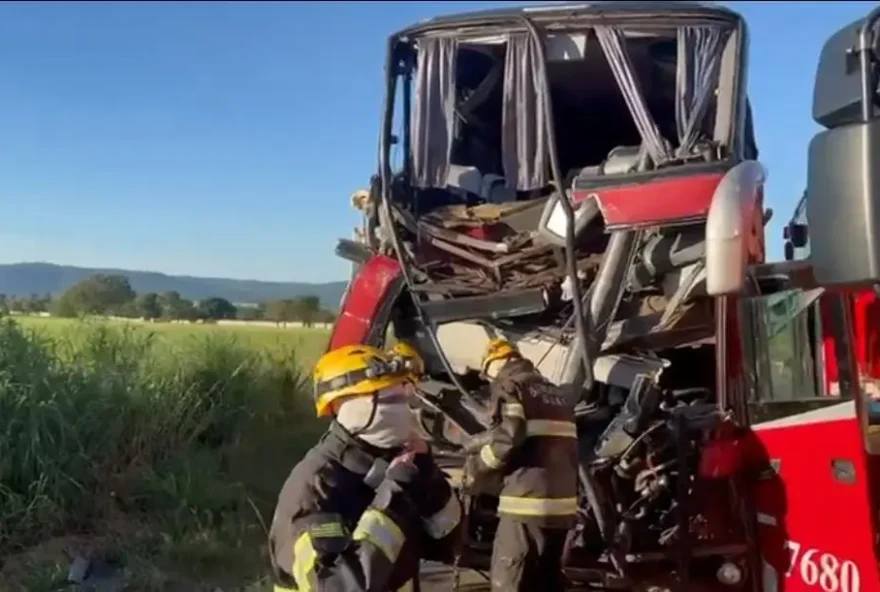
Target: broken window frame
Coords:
[[727, 58], [729, 126]]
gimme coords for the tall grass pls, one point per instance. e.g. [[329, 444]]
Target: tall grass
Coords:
[[188, 439]]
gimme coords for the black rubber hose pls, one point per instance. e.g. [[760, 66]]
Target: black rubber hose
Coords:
[[570, 255]]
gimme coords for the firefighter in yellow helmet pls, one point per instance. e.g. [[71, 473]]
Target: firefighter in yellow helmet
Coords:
[[532, 447], [352, 514]]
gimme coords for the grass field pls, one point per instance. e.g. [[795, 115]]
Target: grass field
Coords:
[[307, 343], [158, 447]]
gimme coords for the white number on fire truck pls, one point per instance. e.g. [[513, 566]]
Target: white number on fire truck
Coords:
[[818, 569]]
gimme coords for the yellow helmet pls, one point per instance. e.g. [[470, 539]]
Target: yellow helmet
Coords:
[[350, 371], [498, 349], [408, 358]]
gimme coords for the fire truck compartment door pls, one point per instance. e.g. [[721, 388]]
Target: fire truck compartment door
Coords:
[[812, 503], [811, 491]]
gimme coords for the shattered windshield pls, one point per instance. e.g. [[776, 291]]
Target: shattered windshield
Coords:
[[652, 96]]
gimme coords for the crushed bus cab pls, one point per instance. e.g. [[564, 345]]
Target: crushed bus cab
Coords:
[[583, 180]]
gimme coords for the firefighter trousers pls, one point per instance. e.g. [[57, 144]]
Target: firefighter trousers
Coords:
[[526, 557]]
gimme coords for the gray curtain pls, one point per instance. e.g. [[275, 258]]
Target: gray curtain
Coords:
[[697, 69], [432, 120], [523, 134], [612, 41]]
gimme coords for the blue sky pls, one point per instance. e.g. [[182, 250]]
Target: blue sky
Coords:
[[224, 139]]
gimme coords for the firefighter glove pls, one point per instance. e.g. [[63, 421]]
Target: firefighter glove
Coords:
[[403, 469]]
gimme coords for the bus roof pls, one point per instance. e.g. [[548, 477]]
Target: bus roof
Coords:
[[557, 11]]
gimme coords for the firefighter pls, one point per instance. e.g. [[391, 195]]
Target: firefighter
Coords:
[[352, 513], [532, 447], [435, 543]]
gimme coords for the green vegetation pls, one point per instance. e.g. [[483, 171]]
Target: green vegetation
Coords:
[[158, 446], [112, 295], [306, 343]]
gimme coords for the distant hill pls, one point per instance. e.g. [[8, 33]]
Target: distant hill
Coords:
[[22, 279]]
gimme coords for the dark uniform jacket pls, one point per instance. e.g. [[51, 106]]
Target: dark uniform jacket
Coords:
[[330, 502], [533, 445]]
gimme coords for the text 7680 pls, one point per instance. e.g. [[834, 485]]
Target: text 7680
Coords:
[[819, 569]]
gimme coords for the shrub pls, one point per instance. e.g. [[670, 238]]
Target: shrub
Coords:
[[189, 437]]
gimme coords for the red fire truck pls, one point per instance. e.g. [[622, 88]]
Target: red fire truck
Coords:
[[584, 181]]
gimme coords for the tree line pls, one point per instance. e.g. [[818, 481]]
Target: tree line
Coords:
[[112, 295]]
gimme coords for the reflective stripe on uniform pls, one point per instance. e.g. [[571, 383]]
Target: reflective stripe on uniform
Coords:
[[278, 588], [327, 530], [378, 529], [536, 506], [443, 522], [408, 587], [304, 554], [304, 557], [549, 427], [513, 410], [489, 458]]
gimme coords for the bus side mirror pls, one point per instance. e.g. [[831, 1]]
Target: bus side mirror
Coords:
[[843, 204], [837, 92], [843, 165]]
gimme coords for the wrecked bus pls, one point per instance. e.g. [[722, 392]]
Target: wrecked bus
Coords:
[[583, 181]]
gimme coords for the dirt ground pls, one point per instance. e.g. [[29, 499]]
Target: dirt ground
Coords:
[[436, 577]]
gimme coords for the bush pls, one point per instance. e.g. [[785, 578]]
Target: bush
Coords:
[[188, 437]]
